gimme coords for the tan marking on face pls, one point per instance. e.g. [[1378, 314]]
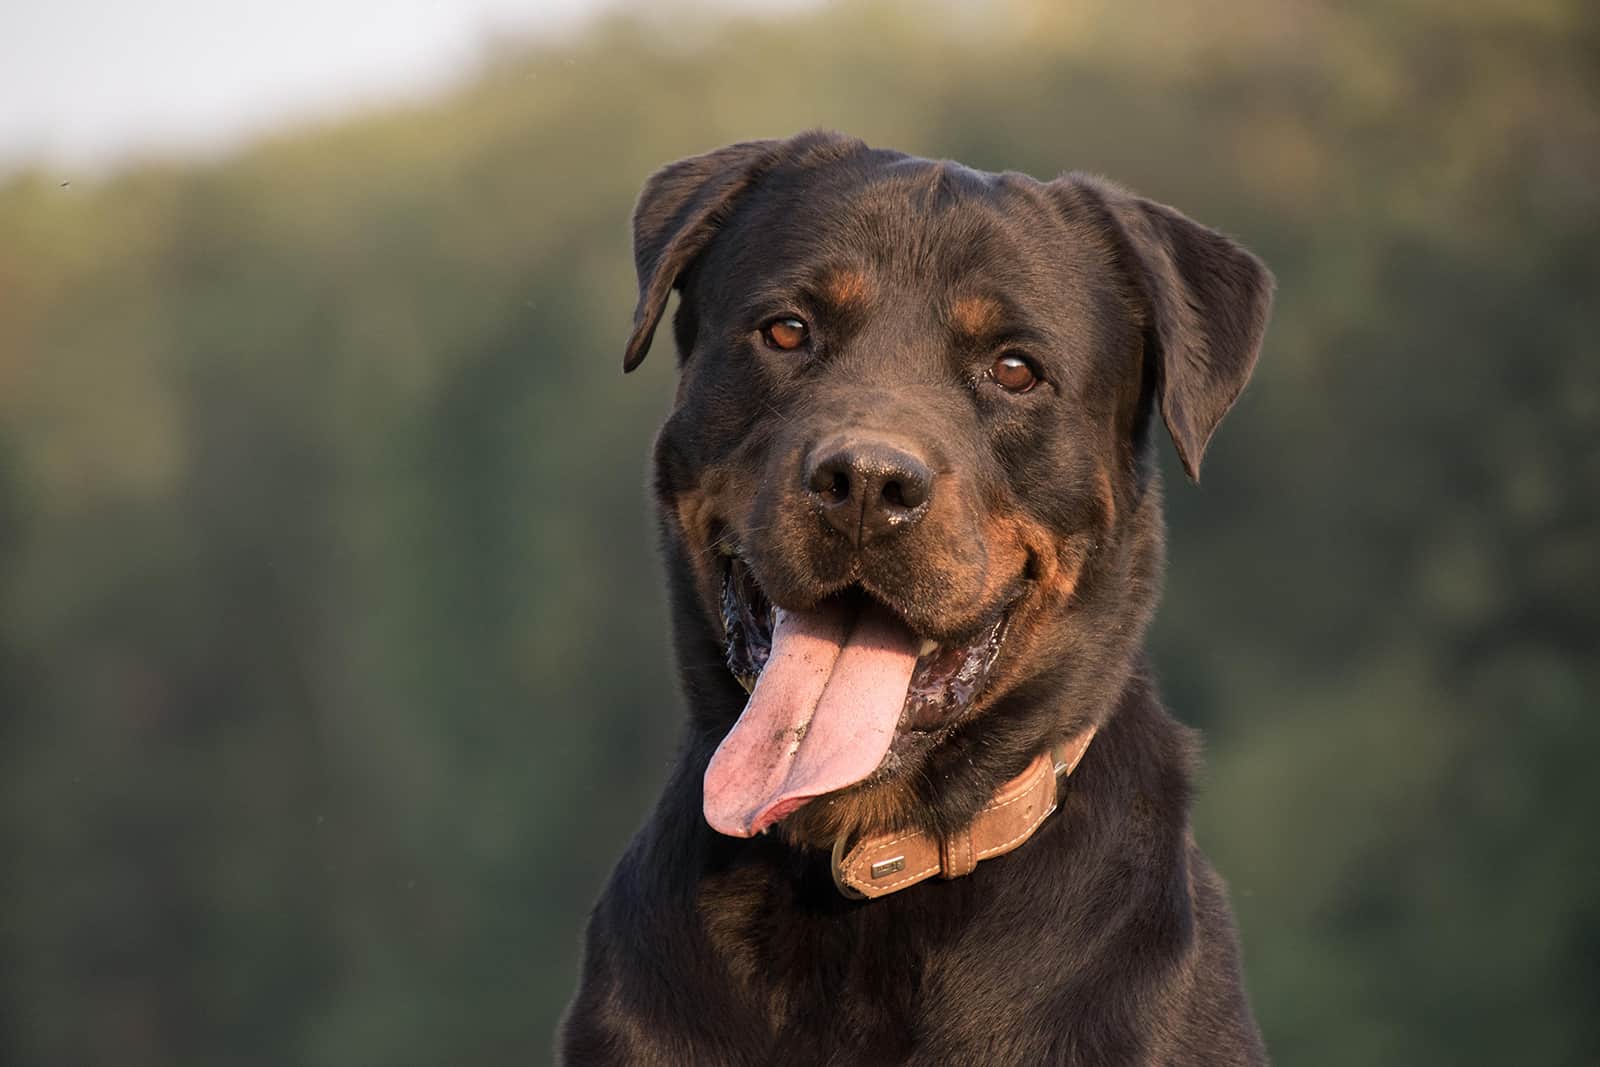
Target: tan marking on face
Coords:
[[847, 288], [976, 315], [695, 516], [1057, 566], [700, 512], [1057, 562], [1107, 496]]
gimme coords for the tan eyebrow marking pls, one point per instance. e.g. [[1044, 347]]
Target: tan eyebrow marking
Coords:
[[976, 315], [846, 287]]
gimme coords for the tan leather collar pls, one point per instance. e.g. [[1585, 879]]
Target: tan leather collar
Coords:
[[881, 864]]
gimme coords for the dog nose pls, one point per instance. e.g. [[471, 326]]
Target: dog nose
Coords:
[[868, 488]]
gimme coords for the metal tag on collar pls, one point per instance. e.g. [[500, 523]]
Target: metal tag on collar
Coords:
[[884, 868]]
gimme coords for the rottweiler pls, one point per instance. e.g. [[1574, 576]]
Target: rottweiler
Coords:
[[929, 808]]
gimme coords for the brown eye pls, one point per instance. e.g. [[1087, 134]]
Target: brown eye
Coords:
[[1013, 374], [785, 334]]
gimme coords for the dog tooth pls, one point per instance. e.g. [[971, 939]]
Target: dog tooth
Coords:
[[927, 646]]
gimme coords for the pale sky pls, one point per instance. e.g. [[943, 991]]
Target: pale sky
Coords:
[[84, 83]]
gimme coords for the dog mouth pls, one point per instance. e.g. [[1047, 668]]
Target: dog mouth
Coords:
[[832, 690], [947, 678]]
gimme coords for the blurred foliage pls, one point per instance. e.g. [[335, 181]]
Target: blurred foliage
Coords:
[[332, 650]]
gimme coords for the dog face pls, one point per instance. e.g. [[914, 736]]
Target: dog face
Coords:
[[907, 485]]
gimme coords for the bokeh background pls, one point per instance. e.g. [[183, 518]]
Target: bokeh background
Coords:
[[333, 667]]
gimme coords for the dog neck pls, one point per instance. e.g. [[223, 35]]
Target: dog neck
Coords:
[[880, 864]]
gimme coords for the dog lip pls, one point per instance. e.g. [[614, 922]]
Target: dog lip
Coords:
[[852, 588], [734, 556]]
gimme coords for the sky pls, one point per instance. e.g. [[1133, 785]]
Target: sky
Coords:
[[86, 83]]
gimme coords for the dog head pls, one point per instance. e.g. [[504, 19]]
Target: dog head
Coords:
[[907, 487]]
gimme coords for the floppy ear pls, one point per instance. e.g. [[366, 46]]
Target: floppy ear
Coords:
[[684, 203], [679, 211], [1208, 301]]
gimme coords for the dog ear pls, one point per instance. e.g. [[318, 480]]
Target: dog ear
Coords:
[[684, 203], [1207, 301], [679, 210]]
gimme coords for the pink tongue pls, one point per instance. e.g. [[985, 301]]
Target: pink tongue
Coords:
[[821, 717]]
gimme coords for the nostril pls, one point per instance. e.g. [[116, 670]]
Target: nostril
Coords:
[[906, 489], [838, 490], [830, 482]]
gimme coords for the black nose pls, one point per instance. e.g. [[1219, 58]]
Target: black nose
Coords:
[[868, 488]]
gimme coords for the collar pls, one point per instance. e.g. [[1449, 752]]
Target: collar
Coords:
[[881, 864]]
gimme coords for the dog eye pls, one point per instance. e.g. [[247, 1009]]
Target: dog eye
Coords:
[[785, 334], [1014, 374]]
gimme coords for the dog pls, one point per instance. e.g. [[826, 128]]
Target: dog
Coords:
[[929, 808]]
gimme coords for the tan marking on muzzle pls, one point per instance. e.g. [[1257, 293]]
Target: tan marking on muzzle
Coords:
[[1057, 562], [698, 513]]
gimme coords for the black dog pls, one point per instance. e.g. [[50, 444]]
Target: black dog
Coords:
[[908, 496]]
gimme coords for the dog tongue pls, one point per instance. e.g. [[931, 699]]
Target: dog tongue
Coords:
[[821, 717]]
